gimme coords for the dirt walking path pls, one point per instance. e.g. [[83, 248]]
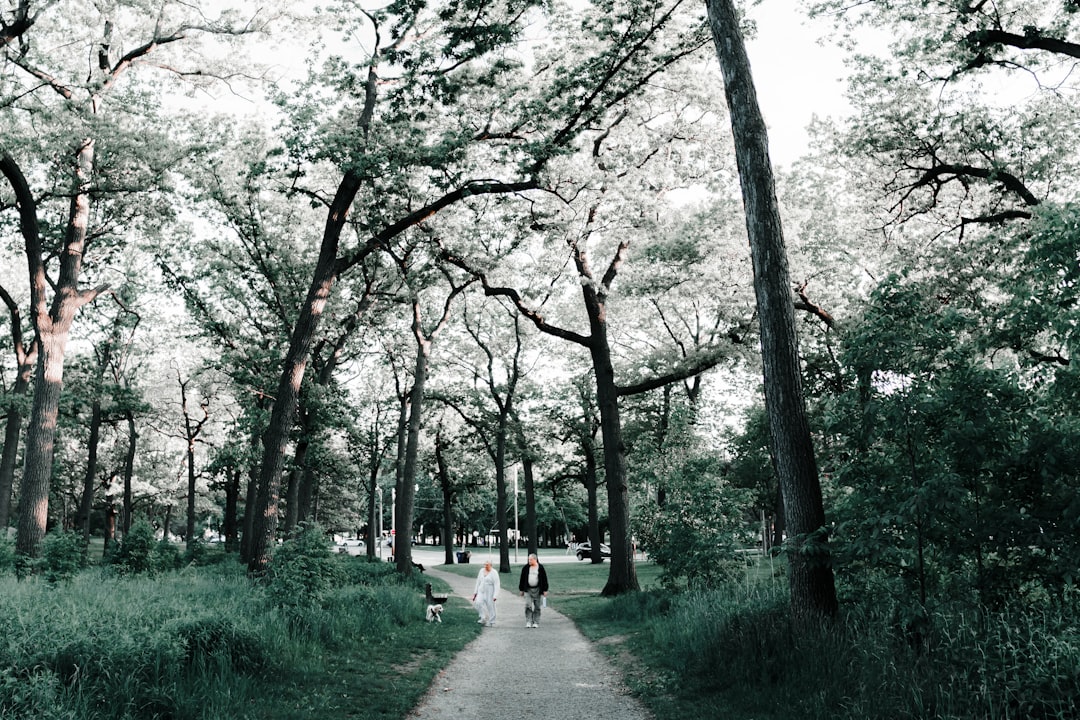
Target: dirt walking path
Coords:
[[512, 672]]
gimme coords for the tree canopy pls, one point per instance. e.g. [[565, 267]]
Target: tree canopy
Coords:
[[368, 264]]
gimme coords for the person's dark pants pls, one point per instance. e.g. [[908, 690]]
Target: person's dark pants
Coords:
[[533, 598]]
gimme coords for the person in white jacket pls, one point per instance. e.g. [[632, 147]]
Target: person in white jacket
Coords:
[[487, 589]]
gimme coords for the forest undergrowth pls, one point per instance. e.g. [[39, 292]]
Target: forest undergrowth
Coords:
[[328, 636], [688, 653], [333, 636]]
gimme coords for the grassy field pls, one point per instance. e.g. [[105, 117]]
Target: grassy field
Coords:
[[208, 643], [567, 578], [334, 637]]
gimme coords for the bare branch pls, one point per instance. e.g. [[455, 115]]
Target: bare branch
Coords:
[[804, 303], [475, 187], [1030, 40], [707, 357], [1056, 358], [943, 173], [534, 316]]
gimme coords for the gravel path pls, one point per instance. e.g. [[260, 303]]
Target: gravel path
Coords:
[[511, 672]]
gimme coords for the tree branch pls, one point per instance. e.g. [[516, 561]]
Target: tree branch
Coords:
[[21, 22], [16, 323], [474, 187], [804, 303], [1032, 39], [511, 294], [1056, 358], [941, 174], [705, 359]]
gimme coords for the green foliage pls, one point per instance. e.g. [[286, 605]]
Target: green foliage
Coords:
[[203, 645], [196, 553], [949, 449], [167, 556], [30, 693], [7, 554], [303, 570], [62, 556], [139, 552], [693, 535]]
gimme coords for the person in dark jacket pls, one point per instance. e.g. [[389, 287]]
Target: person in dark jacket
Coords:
[[533, 587]]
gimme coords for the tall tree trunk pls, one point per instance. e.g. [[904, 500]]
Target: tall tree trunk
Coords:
[[812, 587], [292, 493], [501, 515], [129, 471], [406, 493], [373, 508], [399, 459], [406, 483], [530, 503], [53, 325], [622, 577], [307, 495], [447, 488], [250, 503], [592, 485], [13, 428], [189, 527], [12, 432], [778, 520], [283, 414], [86, 504], [192, 430], [110, 529], [299, 492], [230, 523]]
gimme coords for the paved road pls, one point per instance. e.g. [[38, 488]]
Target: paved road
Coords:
[[511, 672]]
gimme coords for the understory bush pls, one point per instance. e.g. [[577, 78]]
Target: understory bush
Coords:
[[742, 652], [694, 534], [203, 643], [302, 570], [62, 556], [328, 596], [139, 553]]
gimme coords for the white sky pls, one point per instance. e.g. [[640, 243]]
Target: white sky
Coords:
[[795, 76]]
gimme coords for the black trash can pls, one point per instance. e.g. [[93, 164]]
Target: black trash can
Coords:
[[463, 557]]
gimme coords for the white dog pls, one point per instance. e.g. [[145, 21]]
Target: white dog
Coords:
[[434, 613]]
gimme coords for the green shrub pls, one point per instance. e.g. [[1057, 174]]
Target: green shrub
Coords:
[[196, 553], [303, 570], [694, 534], [7, 554], [62, 556], [134, 554], [166, 557]]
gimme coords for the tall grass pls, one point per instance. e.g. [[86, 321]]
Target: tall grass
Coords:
[[209, 644], [693, 652]]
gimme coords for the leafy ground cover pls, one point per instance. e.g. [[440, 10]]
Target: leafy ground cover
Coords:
[[333, 637], [729, 651], [207, 643], [689, 653]]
